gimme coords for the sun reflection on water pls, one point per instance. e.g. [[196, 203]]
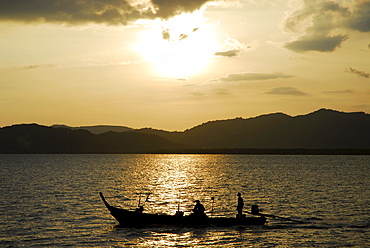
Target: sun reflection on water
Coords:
[[179, 180], [174, 181]]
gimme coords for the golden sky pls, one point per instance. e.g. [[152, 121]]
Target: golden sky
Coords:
[[174, 64]]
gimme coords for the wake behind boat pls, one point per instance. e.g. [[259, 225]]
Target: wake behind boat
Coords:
[[139, 219]]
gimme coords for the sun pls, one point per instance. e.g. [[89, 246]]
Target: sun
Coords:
[[179, 47]]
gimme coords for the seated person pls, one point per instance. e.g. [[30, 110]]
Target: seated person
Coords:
[[199, 209]]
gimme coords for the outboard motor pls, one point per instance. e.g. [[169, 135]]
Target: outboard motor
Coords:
[[179, 214], [255, 210], [139, 210]]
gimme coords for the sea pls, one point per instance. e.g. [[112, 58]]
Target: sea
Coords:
[[53, 200]]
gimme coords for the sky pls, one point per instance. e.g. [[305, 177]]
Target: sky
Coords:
[[175, 64]]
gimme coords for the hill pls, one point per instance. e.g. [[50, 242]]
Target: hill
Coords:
[[33, 138], [321, 130], [97, 129]]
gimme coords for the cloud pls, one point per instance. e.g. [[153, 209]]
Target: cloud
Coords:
[[222, 92], [362, 106], [360, 20], [339, 91], [112, 12], [249, 76], [326, 23], [37, 66], [228, 53], [168, 8], [166, 34], [183, 36], [182, 79], [172, 31], [196, 94], [316, 43], [237, 48], [285, 91], [360, 73]]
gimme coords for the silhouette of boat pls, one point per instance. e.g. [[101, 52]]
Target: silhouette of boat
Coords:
[[137, 219]]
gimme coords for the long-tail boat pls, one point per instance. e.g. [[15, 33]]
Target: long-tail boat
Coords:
[[139, 219]]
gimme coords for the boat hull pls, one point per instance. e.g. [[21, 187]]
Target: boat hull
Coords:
[[133, 219]]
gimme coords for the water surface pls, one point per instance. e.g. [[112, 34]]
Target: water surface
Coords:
[[52, 200]]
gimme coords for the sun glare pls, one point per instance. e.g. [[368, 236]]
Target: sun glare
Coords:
[[178, 47]]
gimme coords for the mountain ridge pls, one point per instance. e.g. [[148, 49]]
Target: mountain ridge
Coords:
[[324, 129]]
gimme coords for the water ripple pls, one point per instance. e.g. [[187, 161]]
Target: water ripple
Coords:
[[52, 200]]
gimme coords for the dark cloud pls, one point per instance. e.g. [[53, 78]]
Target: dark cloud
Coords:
[[361, 17], [228, 53], [168, 8], [321, 44], [285, 91], [68, 11], [325, 24], [112, 12], [322, 16], [360, 73], [248, 76]]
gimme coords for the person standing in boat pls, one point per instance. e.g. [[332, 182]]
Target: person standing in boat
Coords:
[[240, 206], [199, 209]]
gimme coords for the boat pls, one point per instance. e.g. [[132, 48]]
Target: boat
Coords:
[[137, 218]]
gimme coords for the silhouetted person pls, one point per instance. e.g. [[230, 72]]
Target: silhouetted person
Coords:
[[240, 206], [255, 210], [199, 209]]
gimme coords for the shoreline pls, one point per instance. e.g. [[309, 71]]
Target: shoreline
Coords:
[[226, 151]]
